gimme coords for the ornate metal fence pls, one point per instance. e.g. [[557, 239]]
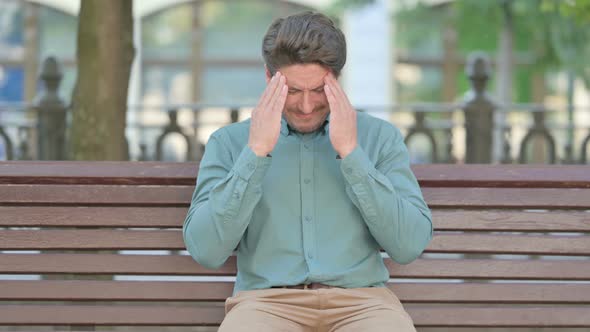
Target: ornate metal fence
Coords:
[[461, 132]]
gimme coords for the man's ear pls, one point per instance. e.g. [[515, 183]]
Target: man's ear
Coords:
[[267, 74]]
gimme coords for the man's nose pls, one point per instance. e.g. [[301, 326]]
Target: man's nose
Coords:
[[307, 106]]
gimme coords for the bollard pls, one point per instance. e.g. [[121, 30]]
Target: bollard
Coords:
[[51, 114], [478, 108]]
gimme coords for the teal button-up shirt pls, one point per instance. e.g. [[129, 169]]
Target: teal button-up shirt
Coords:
[[303, 214]]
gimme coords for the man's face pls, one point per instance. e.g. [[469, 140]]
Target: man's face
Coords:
[[306, 107]]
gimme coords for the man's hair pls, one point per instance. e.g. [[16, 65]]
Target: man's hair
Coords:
[[304, 38]]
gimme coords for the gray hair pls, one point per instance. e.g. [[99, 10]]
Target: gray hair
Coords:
[[304, 38]]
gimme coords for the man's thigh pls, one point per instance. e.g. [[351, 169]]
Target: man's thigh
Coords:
[[381, 320], [249, 319], [268, 310], [367, 309]]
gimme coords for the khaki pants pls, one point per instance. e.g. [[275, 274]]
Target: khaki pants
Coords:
[[322, 310]]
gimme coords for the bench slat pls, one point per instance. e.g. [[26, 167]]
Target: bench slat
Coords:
[[96, 195], [434, 175], [522, 198], [525, 176], [184, 265], [172, 240], [98, 172], [443, 292], [500, 317], [181, 196], [511, 220], [444, 219], [578, 245], [109, 315], [422, 316], [492, 269], [89, 216]]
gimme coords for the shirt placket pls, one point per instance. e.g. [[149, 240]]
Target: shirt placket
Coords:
[[307, 199]]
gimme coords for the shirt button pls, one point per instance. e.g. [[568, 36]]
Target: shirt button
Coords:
[[310, 256], [308, 218], [251, 166], [237, 195], [307, 181], [306, 146]]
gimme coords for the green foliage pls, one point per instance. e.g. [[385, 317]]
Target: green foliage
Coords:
[[412, 35], [339, 6], [568, 34], [553, 34], [579, 10]]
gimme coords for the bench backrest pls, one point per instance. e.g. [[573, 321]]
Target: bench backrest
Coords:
[[99, 243]]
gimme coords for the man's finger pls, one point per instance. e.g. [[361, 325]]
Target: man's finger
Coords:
[[332, 101], [276, 93], [267, 94], [337, 89], [280, 101]]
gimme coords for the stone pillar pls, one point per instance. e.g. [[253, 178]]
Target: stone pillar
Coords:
[[479, 110], [51, 114]]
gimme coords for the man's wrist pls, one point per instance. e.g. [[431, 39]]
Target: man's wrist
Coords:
[[258, 152], [345, 152]]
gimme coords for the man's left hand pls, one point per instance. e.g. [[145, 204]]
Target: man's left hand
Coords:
[[343, 131]]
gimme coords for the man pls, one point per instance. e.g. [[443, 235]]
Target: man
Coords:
[[308, 191]]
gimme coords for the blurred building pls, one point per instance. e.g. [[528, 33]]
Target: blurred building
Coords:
[[207, 53]]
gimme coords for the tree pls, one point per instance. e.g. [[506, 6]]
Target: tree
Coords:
[[556, 33], [99, 102], [579, 10]]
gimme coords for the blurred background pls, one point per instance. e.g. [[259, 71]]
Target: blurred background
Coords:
[[467, 81]]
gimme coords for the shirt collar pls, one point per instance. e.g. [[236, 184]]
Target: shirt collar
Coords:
[[286, 129]]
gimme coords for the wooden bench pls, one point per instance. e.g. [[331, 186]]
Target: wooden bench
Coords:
[[89, 231]]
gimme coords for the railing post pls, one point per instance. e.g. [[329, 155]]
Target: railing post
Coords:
[[538, 130], [450, 158], [173, 127], [506, 154], [479, 110], [234, 114], [23, 145], [420, 128], [7, 144], [585, 144], [51, 114]]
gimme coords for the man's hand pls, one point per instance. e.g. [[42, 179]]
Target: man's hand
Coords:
[[343, 132], [265, 124]]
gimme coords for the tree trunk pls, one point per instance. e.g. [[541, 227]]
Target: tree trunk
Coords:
[[99, 102]]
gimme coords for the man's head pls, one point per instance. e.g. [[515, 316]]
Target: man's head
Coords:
[[305, 48]]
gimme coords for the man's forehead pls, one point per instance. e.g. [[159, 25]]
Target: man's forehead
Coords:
[[295, 86], [305, 76]]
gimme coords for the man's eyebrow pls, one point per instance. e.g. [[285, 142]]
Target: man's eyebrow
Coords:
[[316, 88]]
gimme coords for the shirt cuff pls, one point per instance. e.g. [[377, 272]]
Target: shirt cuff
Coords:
[[356, 166], [250, 167]]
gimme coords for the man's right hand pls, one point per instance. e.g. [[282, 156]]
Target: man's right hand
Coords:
[[265, 124]]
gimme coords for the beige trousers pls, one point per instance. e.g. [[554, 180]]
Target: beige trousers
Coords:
[[323, 310]]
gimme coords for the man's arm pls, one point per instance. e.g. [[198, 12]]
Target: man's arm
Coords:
[[390, 200], [223, 201], [227, 192], [387, 194]]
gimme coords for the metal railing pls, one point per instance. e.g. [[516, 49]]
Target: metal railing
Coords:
[[435, 133]]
